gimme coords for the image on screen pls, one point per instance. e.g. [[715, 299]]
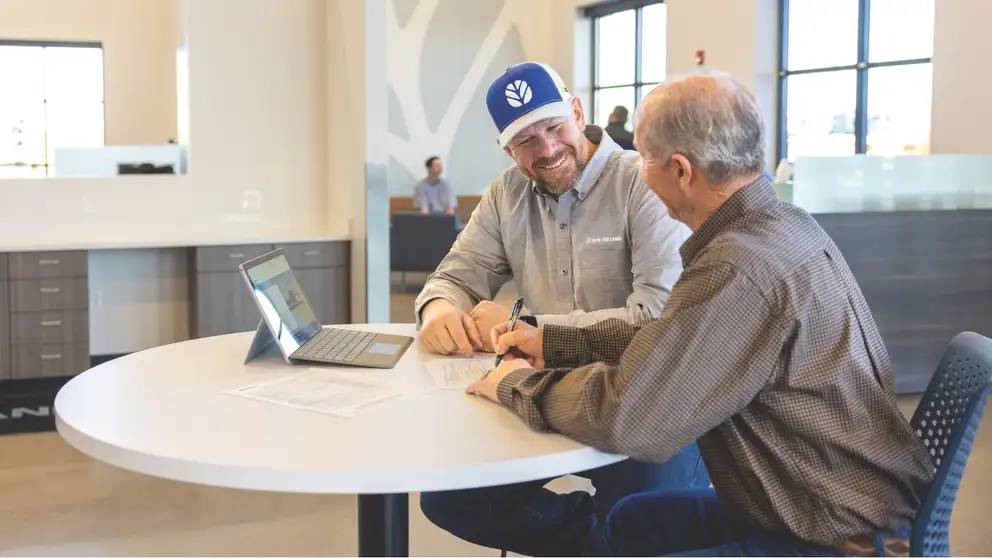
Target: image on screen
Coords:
[[283, 303]]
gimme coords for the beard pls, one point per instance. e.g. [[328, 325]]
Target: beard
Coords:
[[563, 178]]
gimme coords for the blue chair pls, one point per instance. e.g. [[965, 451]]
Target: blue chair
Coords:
[[946, 420]]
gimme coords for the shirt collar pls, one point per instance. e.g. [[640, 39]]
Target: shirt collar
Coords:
[[594, 168], [756, 195]]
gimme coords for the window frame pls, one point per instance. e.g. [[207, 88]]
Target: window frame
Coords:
[[861, 67], [49, 164], [594, 13]]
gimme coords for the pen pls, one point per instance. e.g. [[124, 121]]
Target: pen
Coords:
[[514, 315]]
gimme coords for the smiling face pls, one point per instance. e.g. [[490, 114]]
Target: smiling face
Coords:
[[552, 152]]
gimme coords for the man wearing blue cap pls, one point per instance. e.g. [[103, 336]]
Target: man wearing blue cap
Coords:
[[584, 240]]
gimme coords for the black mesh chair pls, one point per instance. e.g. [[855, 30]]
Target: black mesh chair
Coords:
[[946, 420]]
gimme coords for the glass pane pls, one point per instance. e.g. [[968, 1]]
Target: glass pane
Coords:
[[607, 99], [654, 25], [74, 74], [615, 36], [822, 36], [899, 109], [900, 30], [22, 132], [820, 114], [72, 124], [645, 89], [641, 93], [22, 72]]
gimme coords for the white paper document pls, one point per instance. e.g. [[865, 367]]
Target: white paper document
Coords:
[[458, 373], [334, 392]]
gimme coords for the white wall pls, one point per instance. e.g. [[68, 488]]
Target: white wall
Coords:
[[442, 56], [739, 37], [258, 169], [138, 47], [961, 114]]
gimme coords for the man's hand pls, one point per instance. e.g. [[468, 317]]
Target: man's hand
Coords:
[[487, 315], [488, 384], [447, 329], [526, 342]]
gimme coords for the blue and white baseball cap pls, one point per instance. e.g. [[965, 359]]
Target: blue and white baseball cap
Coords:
[[525, 94]]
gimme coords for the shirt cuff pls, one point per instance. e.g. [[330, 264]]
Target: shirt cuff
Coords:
[[504, 390], [562, 346]]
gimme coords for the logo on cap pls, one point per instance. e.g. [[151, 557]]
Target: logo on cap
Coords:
[[518, 93]]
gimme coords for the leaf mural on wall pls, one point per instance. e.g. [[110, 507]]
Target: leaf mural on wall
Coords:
[[440, 63]]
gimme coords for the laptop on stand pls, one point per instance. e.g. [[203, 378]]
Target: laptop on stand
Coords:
[[289, 323]]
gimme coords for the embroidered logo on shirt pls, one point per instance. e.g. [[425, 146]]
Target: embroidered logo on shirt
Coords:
[[602, 239], [518, 93]]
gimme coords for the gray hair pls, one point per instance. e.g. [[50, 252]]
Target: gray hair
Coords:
[[711, 119]]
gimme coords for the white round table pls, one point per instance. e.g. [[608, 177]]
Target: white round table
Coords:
[[163, 412]]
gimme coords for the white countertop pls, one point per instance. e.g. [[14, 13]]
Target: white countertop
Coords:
[[52, 245], [163, 412]]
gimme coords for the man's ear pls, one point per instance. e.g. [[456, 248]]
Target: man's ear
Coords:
[[683, 168], [578, 113]]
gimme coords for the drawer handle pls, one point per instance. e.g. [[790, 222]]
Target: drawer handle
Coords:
[[52, 356], [311, 253], [49, 290], [48, 262], [236, 256], [51, 323]]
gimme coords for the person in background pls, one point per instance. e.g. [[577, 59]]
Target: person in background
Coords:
[[766, 353], [434, 194], [574, 226], [617, 128]]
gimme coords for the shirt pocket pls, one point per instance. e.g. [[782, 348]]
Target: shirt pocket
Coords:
[[605, 278]]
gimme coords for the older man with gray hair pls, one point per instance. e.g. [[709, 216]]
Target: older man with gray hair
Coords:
[[766, 353]]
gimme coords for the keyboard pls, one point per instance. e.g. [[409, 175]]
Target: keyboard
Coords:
[[335, 345]]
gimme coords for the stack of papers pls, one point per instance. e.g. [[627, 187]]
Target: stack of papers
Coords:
[[329, 391], [458, 373], [344, 393]]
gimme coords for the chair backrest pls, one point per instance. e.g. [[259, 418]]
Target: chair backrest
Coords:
[[946, 420], [419, 242]]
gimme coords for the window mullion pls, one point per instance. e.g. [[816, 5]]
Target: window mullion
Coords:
[[861, 104]]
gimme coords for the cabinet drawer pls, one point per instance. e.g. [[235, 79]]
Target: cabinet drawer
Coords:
[[55, 327], [44, 295], [318, 254], [47, 265], [227, 258], [37, 360]]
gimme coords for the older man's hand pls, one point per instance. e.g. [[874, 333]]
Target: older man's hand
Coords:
[[524, 342], [488, 315], [488, 385]]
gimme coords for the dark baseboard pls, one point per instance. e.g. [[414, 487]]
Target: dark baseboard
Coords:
[[97, 360], [28, 405]]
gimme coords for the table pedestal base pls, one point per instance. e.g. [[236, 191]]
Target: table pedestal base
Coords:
[[383, 525]]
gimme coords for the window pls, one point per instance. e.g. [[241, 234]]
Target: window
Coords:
[[628, 38], [855, 77], [52, 96]]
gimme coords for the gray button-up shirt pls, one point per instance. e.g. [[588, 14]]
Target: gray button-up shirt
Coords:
[[607, 248]]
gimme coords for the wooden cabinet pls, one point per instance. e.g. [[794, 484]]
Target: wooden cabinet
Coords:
[[45, 314], [222, 303]]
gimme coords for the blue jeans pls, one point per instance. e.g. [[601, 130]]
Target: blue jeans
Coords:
[[532, 520], [687, 523]]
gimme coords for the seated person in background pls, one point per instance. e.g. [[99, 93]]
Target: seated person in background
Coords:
[[434, 194], [766, 352], [583, 238], [617, 128]]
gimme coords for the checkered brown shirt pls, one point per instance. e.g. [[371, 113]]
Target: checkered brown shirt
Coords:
[[768, 355]]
